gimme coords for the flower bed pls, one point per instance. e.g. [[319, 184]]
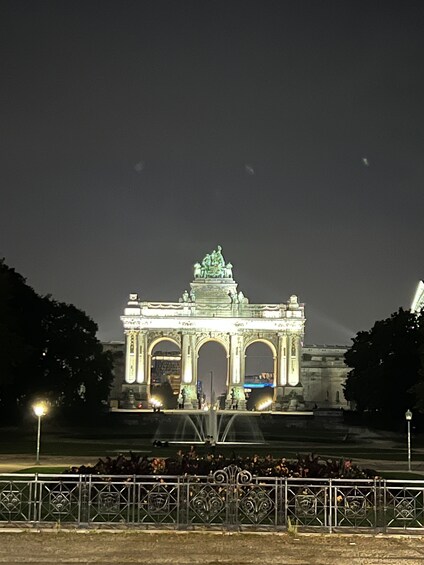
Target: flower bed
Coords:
[[190, 463]]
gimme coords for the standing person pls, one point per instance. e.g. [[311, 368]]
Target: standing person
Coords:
[[233, 399], [180, 401]]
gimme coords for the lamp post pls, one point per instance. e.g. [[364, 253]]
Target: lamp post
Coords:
[[408, 417], [40, 411]]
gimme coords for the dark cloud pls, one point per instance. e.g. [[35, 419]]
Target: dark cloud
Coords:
[[136, 136]]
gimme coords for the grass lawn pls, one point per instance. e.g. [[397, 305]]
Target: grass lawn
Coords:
[[402, 475], [102, 442], [59, 469], [56, 446]]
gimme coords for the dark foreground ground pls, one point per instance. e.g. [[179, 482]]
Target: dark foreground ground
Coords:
[[207, 548]]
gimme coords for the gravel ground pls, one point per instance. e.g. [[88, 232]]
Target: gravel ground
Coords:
[[182, 548]]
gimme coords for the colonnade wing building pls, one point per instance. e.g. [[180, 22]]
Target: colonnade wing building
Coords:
[[418, 301], [214, 309]]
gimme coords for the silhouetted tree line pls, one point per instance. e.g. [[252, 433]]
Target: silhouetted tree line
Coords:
[[386, 376], [48, 350], [190, 463]]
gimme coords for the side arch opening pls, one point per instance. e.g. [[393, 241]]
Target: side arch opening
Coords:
[[260, 367], [165, 371]]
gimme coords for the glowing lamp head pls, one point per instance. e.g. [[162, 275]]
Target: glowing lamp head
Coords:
[[40, 409], [155, 402]]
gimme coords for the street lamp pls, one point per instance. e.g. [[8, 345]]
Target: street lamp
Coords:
[[408, 417], [40, 410]]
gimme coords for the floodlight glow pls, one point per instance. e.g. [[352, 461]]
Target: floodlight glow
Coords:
[[154, 401], [264, 405]]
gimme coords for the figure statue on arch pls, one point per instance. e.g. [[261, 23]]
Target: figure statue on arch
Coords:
[[233, 296], [197, 270], [228, 271], [218, 259], [185, 297], [206, 263]]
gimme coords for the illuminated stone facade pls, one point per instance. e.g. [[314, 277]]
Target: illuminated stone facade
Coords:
[[214, 310], [323, 374]]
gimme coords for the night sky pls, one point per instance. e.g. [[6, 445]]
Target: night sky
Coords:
[[136, 136]]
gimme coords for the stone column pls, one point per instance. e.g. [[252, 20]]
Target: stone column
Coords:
[[280, 377], [130, 357], [294, 360], [293, 392], [130, 389], [143, 368], [235, 394], [235, 357], [188, 360]]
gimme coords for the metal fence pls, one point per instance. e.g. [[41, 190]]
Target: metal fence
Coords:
[[229, 499]]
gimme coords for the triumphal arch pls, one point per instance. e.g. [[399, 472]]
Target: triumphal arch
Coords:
[[214, 309]]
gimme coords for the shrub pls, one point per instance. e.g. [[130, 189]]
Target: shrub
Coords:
[[190, 463]]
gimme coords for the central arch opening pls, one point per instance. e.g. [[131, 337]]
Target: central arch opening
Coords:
[[212, 370]]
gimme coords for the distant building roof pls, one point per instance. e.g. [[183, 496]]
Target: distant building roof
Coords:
[[418, 302], [324, 346]]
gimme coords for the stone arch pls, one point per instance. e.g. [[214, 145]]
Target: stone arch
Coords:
[[255, 339], [152, 341], [203, 339], [270, 343]]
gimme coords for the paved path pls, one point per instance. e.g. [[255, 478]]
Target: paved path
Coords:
[[13, 463], [10, 463], [181, 548]]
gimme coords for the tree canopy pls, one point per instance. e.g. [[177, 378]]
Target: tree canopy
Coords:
[[386, 366], [49, 349]]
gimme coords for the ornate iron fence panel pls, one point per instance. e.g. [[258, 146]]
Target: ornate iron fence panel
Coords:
[[110, 501], [404, 504], [17, 496], [158, 502], [59, 500], [307, 503], [205, 503], [259, 504], [230, 498], [354, 505]]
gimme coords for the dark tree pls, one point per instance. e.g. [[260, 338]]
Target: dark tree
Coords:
[[20, 338], [75, 371], [385, 363], [50, 350]]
